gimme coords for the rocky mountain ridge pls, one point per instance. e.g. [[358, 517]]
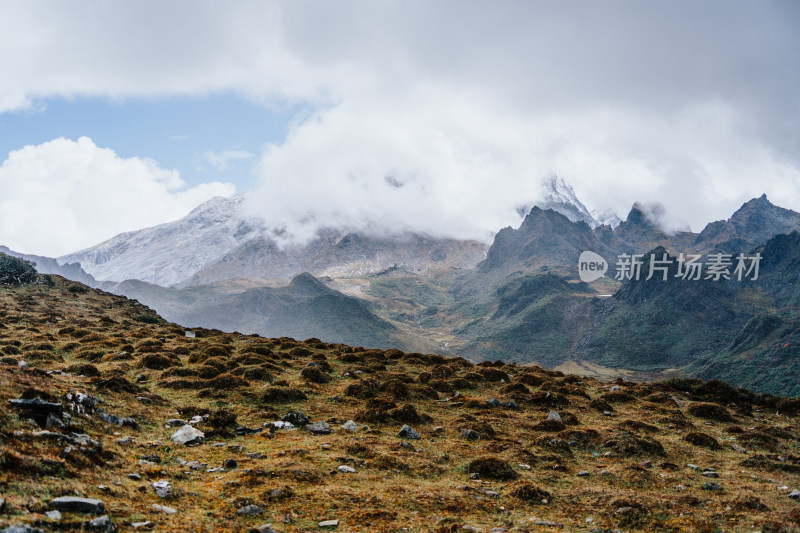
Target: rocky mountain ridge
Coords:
[[522, 302]]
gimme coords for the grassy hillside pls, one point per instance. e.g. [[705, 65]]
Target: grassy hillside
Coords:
[[93, 386]]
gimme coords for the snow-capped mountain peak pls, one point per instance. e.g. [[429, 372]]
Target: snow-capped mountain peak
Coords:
[[560, 197], [168, 253]]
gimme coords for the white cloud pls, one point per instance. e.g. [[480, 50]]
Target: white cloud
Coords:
[[447, 166], [467, 104], [64, 195], [220, 160]]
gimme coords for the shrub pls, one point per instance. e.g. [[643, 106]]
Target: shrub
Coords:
[[492, 468], [77, 289], [282, 395], [315, 375], [146, 319], [16, 271], [710, 411], [531, 494], [701, 439]]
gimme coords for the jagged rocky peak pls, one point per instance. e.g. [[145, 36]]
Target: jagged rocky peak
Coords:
[[753, 223], [560, 197], [638, 217]]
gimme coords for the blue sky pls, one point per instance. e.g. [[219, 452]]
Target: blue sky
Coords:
[[436, 117], [177, 131]]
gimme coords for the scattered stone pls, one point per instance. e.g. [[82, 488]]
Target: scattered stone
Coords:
[[738, 448], [347, 469], [296, 418], [242, 430], [53, 515], [712, 486], [407, 432], [187, 436], [21, 529], [144, 525], [255, 455], [710, 474], [118, 421], [470, 434], [73, 504], [135, 477], [552, 415], [250, 510], [583, 473], [266, 528], [329, 523], [164, 509], [102, 523], [44, 413], [163, 489], [76, 439], [319, 428], [350, 426], [175, 422], [510, 404], [795, 494]]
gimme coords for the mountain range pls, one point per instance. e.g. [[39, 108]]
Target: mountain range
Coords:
[[518, 299]]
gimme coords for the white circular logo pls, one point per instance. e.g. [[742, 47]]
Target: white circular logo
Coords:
[[591, 267]]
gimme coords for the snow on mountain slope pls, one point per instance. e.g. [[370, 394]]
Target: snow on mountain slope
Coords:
[[169, 253], [560, 197], [606, 217], [217, 242]]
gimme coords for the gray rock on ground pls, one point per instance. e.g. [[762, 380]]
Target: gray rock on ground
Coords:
[[74, 504], [187, 436], [407, 432]]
